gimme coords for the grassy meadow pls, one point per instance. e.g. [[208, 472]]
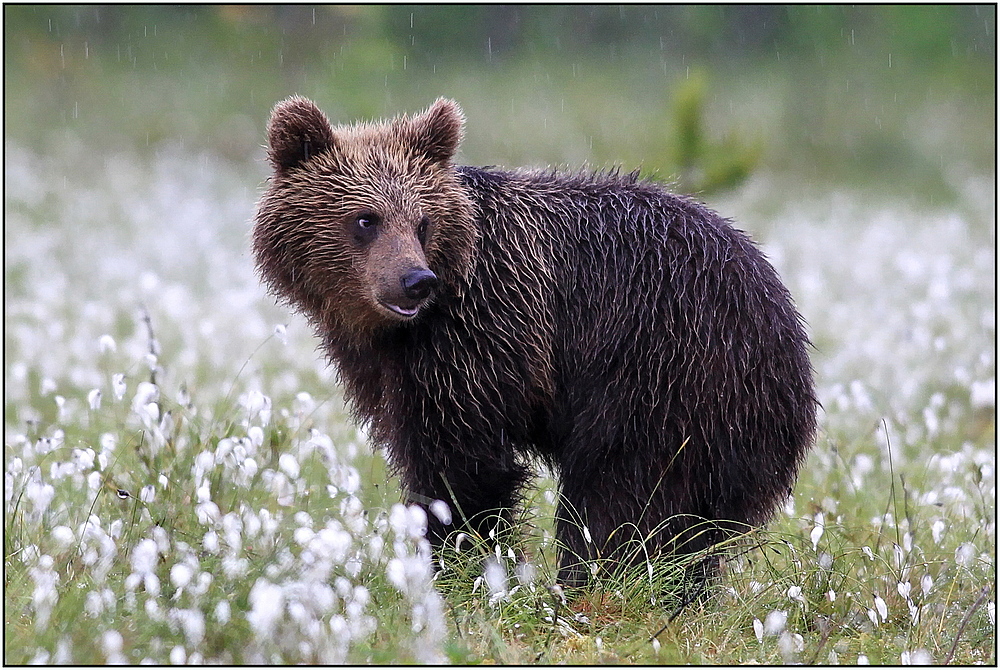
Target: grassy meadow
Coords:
[[182, 483]]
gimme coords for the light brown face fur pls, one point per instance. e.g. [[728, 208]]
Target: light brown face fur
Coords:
[[362, 226]]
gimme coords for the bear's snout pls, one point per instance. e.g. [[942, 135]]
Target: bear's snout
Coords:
[[418, 284], [414, 287]]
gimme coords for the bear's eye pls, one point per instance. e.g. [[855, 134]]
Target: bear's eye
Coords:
[[422, 230], [365, 227]]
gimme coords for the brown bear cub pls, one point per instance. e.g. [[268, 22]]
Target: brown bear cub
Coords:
[[484, 319]]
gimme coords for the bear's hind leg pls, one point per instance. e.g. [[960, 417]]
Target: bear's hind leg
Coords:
[[597, 519]]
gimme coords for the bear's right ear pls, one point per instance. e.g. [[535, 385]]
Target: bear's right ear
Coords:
[[297, 131]]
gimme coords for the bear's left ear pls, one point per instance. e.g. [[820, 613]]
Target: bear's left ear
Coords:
[[437, 132]]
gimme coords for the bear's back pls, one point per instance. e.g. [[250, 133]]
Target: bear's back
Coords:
[[643, 302]]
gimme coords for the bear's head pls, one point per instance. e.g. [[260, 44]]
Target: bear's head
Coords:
[[362, 226]]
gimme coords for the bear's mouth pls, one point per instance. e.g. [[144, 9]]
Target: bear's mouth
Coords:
[[407, 312]]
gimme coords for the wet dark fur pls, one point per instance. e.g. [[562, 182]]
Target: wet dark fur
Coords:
[[632, 339]]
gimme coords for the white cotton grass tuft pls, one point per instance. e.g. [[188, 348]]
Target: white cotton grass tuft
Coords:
[[774, 622], [937, 530], [916, 657], [63, 537], [178, 655], [256, 436], [267, 602], [790, 645], [145, 393], [794, 593], [441, 511], [881, 608], [289, 465], [408, 520], [222, 612], [257, 406], [496, 578], [181, 575], [112, 643], [965, 554], [118, 386], [45, 594], [106, 344]]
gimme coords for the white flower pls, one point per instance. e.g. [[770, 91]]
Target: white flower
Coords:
[[795, 593], [790, 644], [112, 642], [965, 553], [916, 657], [758, 629], [257, 404], [881, 608], [94, 399], [440, 509], [63, 536], [417, 522], [106, 343], [211, 542], [256, 435], [937, 530], [45, 594], [774, 622], [192, 622], [93, 603], [145, 393], [40, 495], [984, 393], [496, 577], [267, 602], [289, 465], [177, 655], [118, 385], [144, 556], [180, 575], [222, 612], [815, 535], [817, 531]]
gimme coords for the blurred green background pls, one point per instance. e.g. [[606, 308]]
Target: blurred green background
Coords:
[[897, 99]]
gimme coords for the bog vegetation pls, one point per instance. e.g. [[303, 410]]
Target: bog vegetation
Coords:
[[182, 484]]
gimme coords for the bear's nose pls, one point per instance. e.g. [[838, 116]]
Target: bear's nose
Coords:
[[418, 284]]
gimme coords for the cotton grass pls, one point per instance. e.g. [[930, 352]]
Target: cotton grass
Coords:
[[180, 474]]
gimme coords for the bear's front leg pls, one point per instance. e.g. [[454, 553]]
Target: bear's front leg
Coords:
[[481, 490]]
